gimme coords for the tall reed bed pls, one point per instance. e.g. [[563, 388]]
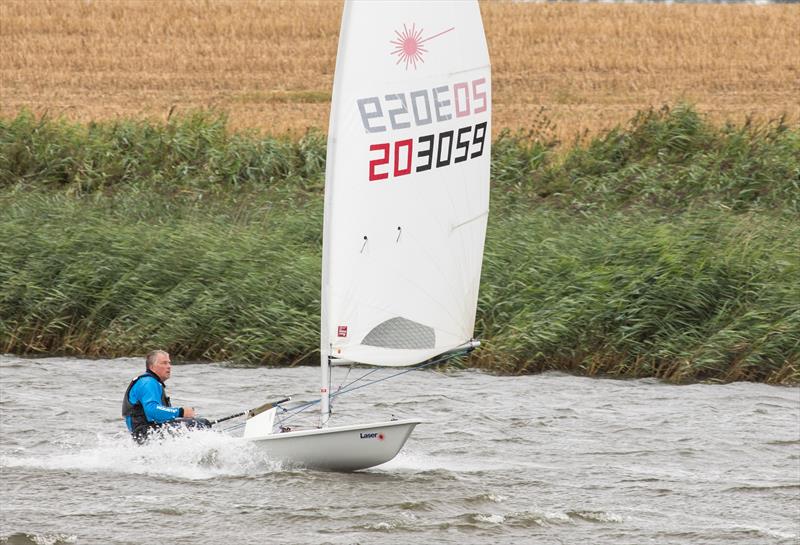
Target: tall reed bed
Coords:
[[671, 158], [668, 159], [116, 276], [667, 247], [698, 296], [193, 153]]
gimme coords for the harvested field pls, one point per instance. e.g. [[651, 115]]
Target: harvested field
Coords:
[[563, 69]]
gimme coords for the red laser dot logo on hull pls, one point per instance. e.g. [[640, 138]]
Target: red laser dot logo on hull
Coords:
[[380, 436], [408, 45]]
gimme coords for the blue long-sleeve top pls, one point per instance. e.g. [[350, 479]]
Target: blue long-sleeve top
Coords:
[[149, 391]]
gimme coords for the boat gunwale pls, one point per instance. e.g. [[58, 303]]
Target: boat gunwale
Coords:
[[333, 430]]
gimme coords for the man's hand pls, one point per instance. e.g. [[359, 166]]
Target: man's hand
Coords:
[[188, 412]]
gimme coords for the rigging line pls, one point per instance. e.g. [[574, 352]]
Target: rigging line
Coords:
[[297, 410], [415, 368], [350, 368], [362, 377], [346, 386], [301, 408], [283, 417], [288, 414]]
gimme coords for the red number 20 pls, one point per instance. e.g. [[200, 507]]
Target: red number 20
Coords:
[[399, 170]]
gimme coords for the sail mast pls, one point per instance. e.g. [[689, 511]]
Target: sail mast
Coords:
[[325, 351], [325, 393]]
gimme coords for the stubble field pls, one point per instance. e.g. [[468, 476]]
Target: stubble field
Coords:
[[563, 69]]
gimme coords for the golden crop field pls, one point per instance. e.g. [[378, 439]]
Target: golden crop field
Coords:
[[269, 64]]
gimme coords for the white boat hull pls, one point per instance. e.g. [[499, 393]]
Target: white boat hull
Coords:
[[343, 448]]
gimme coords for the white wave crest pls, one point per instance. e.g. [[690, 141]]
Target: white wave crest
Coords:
[[196, 455], [491, 519]]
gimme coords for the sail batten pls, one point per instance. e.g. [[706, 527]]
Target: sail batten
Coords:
[[407, 182]]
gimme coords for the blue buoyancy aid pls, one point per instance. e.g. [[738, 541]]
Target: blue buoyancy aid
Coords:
[[146, 406]]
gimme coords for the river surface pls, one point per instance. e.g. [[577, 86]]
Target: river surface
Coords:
[[537, 459]]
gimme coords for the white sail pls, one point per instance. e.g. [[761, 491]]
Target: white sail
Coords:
[[407, 182], [406, 204]]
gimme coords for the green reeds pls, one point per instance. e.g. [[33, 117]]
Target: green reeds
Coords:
[[194, 153], [668, 159], [699, 296], [85, 278], [667, 248]]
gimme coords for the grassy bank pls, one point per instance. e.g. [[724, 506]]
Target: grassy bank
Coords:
[[666, 248], [667, 160]]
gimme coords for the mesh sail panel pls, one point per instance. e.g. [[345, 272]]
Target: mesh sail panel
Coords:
[[401, 333]]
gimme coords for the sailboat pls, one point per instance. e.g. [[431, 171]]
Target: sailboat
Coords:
[[406, 207]]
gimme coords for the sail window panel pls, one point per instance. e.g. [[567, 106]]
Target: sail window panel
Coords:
[[401, 333]]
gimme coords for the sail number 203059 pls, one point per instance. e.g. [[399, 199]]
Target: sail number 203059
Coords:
[[402, 157]]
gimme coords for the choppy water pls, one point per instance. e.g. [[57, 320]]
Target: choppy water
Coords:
[[539, 459]]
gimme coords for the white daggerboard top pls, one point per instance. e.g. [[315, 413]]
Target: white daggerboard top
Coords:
[[407, 182]]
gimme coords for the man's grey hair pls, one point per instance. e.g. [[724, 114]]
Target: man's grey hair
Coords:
[[152, 357]]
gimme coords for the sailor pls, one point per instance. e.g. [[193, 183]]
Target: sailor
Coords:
[[146, 407]]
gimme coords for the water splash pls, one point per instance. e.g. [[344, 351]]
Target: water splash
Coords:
[[197, 455], [21, 538]]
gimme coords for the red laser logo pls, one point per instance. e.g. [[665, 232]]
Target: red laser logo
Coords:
[[408, 45]]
